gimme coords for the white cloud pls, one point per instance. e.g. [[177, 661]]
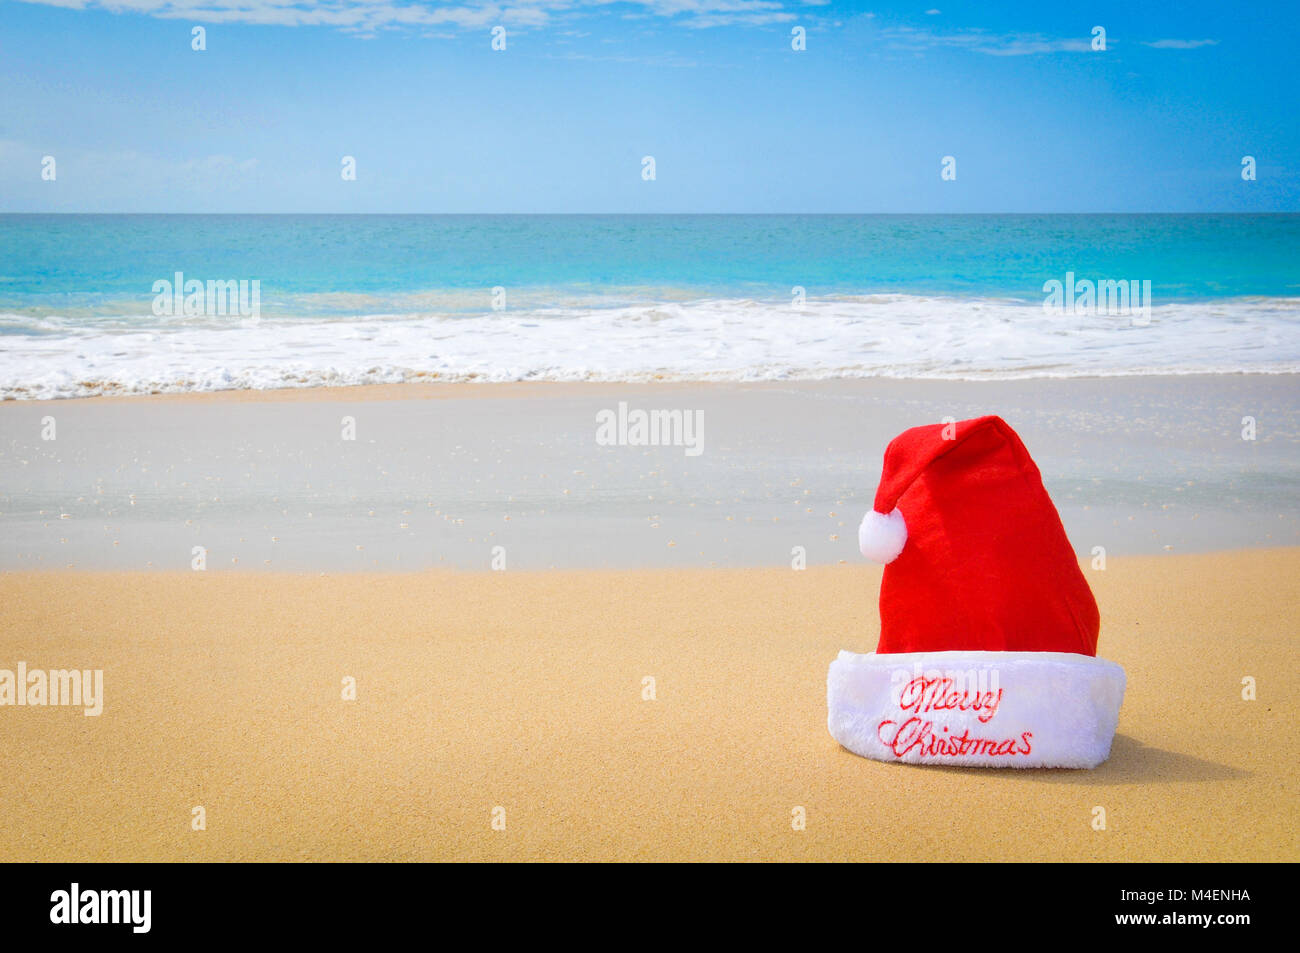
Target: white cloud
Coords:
[[1179, 44], [919, 39], [912, 39], [369, 16]]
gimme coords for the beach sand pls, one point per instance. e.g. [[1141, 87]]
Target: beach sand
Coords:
[[523, 690]]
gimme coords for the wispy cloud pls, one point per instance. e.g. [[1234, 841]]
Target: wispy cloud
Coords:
[[667, 60], [913, 39], [1179, 44], [919, 39], [370, 16]]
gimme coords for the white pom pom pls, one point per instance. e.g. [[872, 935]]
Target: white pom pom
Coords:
[[881, 538]]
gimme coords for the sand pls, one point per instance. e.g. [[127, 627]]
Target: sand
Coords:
[[523, 691]]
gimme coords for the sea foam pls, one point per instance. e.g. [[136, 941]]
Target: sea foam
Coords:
[[737, 339]]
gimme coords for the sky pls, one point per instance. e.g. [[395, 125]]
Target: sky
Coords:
[[562, 119]]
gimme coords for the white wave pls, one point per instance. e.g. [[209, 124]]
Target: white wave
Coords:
[[899, 336]]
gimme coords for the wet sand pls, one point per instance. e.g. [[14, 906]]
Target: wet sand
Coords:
[[413, 477]]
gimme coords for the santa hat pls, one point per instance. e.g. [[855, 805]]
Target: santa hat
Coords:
[[988, 630]]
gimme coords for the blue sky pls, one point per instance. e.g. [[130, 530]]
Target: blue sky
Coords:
[[559, 121]]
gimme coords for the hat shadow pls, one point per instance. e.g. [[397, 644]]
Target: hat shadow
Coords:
[[1130, 762]]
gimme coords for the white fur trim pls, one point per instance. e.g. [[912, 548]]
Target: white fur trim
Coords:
[[991, 709], [881, 538]]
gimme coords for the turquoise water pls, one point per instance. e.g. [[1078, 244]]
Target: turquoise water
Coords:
[[371, 299], [53, 259]]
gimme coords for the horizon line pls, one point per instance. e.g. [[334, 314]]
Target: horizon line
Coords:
[[649, 214]]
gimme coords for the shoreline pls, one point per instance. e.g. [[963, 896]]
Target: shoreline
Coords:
[[688, 340], [454, 389]]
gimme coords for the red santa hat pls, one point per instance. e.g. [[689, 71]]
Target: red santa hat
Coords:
[[988, 630]]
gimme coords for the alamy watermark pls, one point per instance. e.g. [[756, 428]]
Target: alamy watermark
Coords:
[[213, 298], [79, 905], [651, 428], [82, 688], [1103, 296]]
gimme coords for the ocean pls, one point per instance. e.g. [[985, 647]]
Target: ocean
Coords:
[[104, 304]]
